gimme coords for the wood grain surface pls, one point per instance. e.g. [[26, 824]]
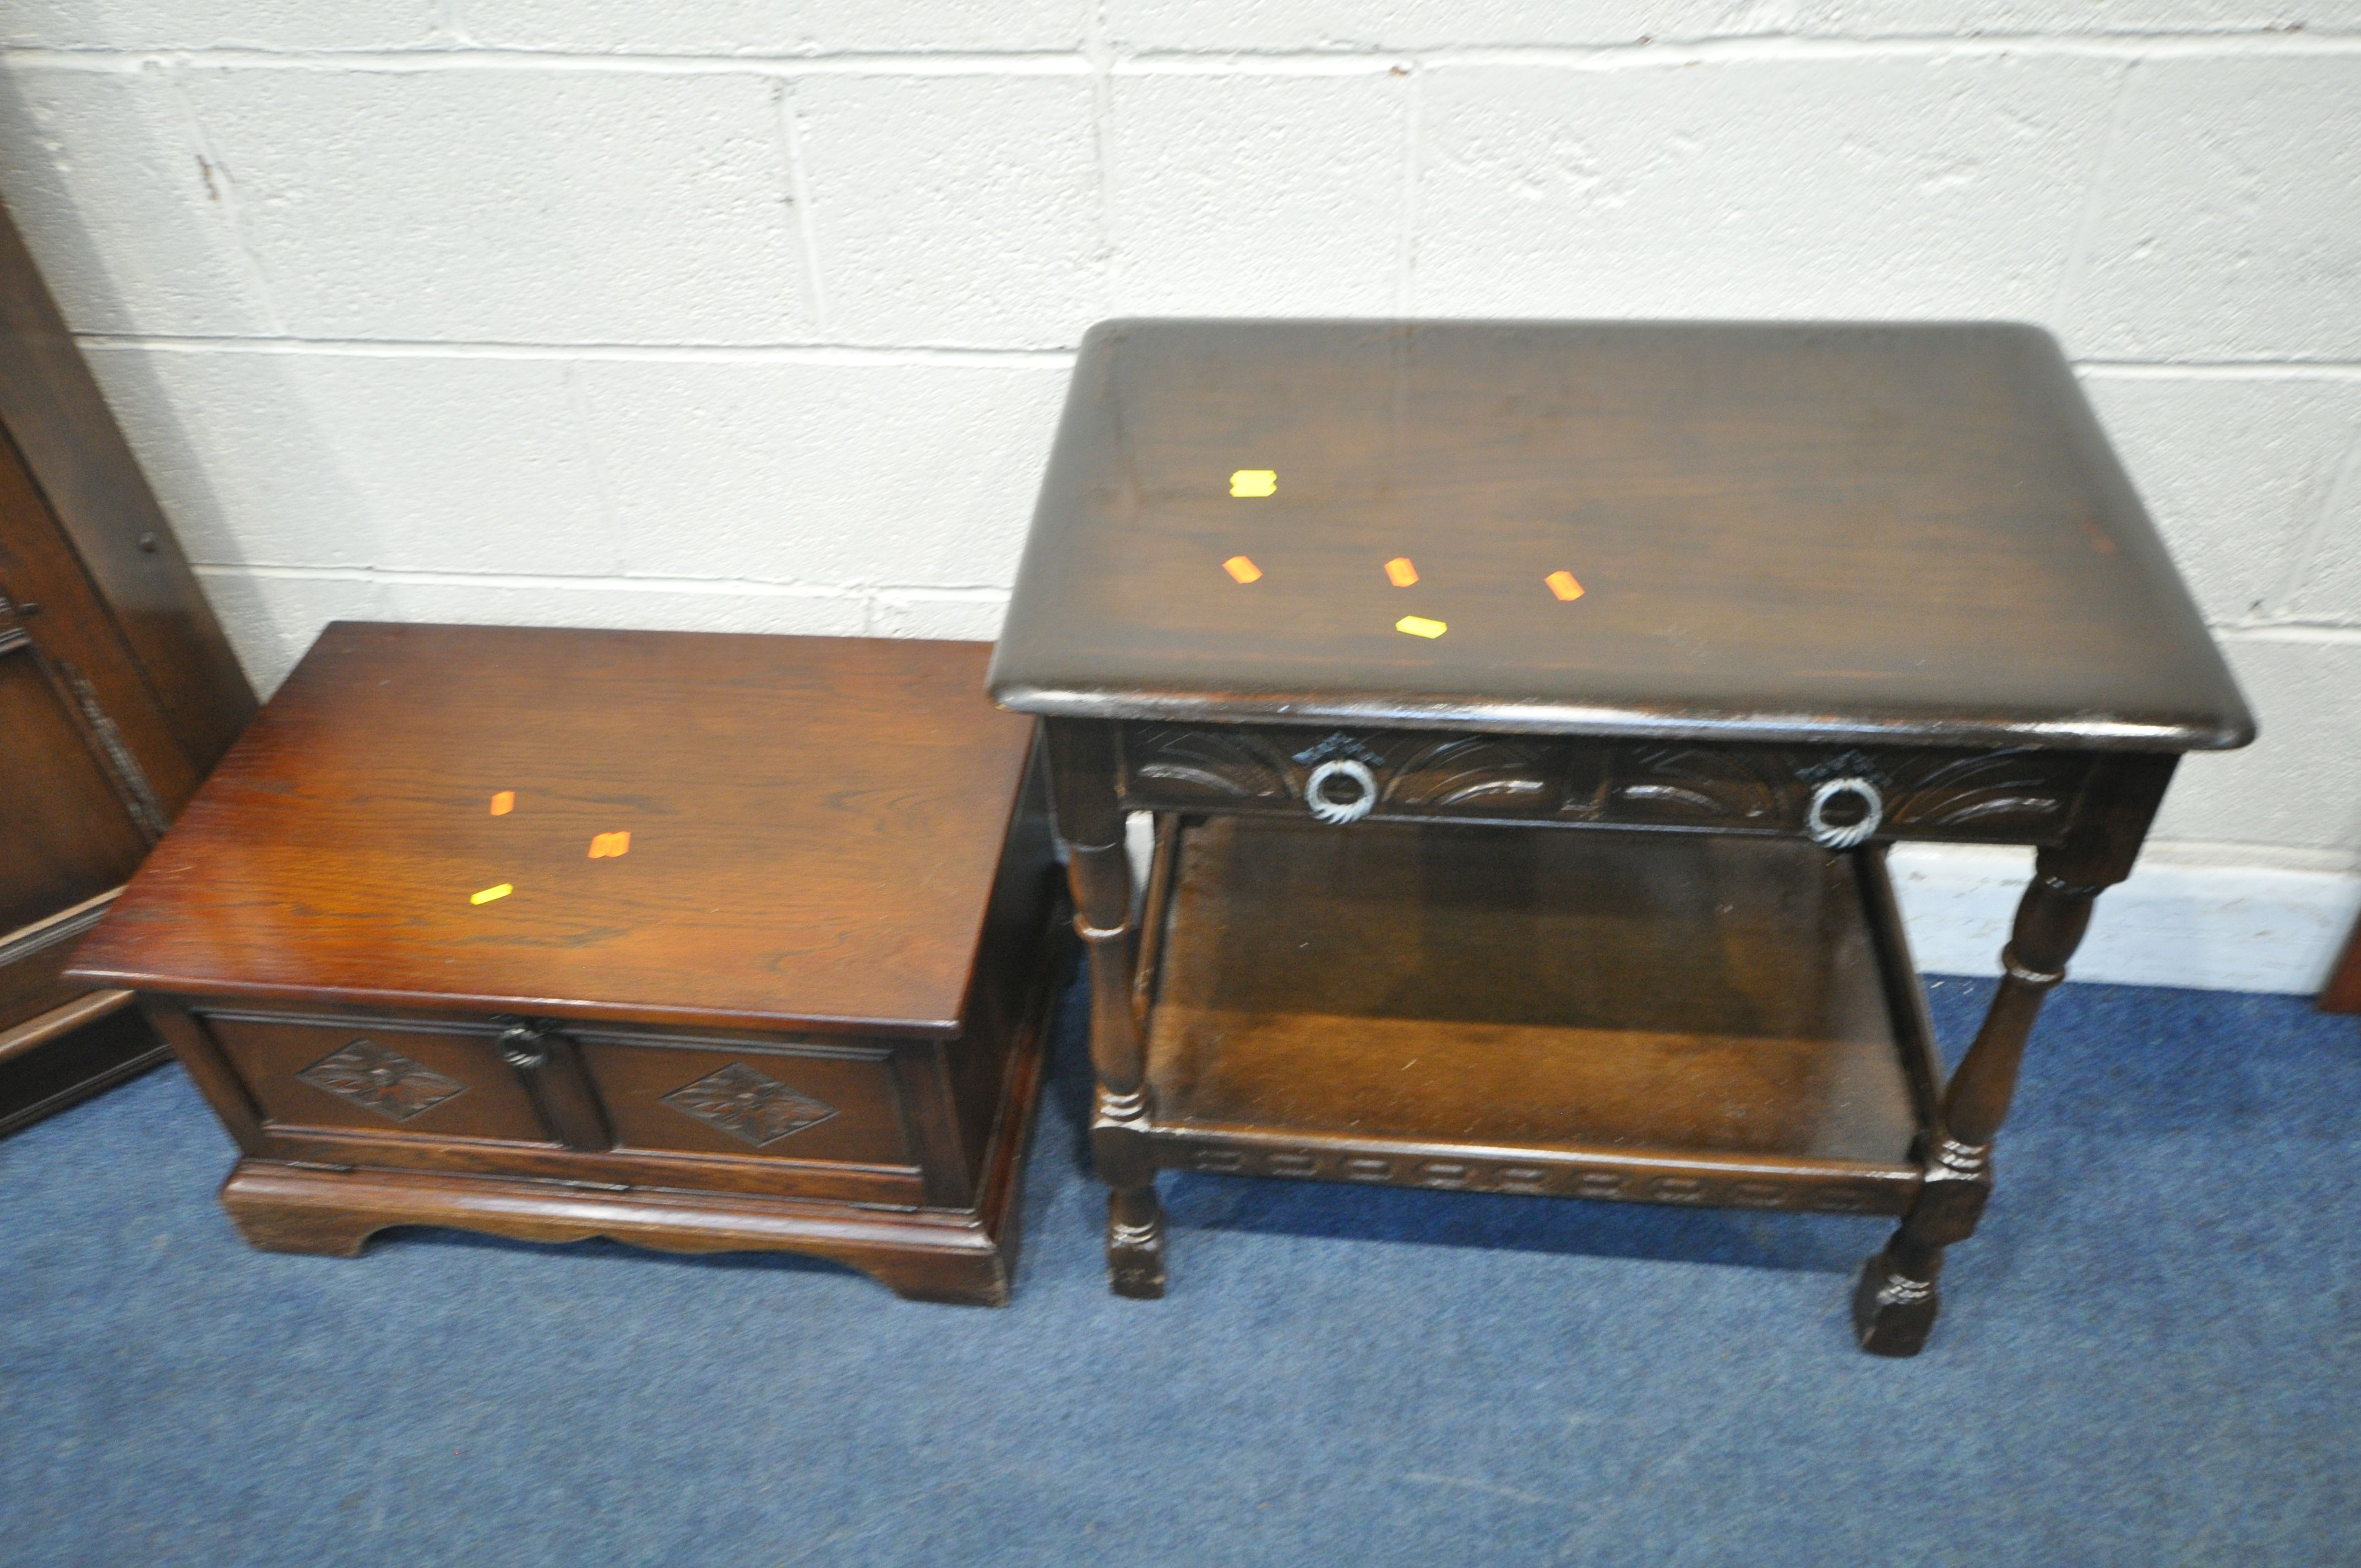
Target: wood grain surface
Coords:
[[1915, 533], [815, 824]]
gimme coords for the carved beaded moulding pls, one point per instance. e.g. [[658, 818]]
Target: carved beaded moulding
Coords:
[[1821, 1194]]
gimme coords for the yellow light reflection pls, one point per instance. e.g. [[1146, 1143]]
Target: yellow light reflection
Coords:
[[490, 893], [1250, 482], [1419, 626], [1244, 570], [1562, 584]]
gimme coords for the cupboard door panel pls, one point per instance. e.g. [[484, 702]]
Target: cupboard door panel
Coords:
[[68, 834], [384, 1077], [33, 960], [746, 1101]]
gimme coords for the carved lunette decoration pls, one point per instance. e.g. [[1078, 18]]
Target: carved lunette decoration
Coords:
[[1236, 764], [2019, 792], [2032, 790], [1472, 771], [1707, 783], [1228, 766]]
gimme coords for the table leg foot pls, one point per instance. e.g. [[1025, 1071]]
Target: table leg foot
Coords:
[[1135, 1246], [1895, 1305]]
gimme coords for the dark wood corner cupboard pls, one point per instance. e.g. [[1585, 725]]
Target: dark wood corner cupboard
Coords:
[[117, 692]]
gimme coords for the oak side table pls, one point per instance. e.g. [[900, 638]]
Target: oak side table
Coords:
[[1525, 708], [700, 942]]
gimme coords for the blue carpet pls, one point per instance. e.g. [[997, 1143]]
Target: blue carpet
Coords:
[[2151, 1356]]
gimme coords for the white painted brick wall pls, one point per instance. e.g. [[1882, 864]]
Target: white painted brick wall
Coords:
[[957, 209], [225, 24], [857, 475], [104, 177], [2222, 224], [750, 313], [768, 27], [2295, 786], [1837, 187], [1284, 190], [2238, 472], [489, 205], [357, 460]]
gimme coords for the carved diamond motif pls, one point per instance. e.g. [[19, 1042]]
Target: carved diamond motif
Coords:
[[749, 1105], [381, 1080]]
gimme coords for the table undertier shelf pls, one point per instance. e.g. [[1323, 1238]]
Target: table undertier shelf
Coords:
[[1674, 1019]]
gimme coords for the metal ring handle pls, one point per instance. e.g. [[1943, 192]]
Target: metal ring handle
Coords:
[[1340, 811], [1828, 834]]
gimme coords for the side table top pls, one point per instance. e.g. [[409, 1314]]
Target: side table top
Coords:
[[658, 827], [1904, 532]]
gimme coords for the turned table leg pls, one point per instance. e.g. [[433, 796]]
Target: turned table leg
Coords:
[[1090, 818], [1895, 1306], [1897, 1300]]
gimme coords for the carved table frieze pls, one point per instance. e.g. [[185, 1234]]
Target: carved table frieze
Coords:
[[2012, 796]]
